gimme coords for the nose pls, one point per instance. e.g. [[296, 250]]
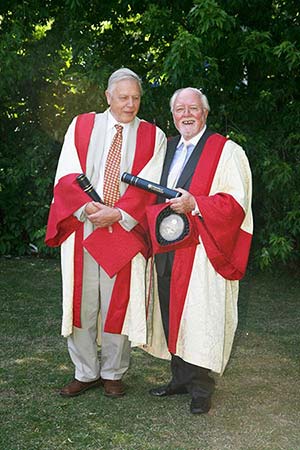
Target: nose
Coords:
[[130, 101]]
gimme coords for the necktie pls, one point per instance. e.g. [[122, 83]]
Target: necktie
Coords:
[[111, 184], [177, 167]]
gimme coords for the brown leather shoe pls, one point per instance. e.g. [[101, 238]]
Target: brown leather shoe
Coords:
[[77, 387], [113, 388]]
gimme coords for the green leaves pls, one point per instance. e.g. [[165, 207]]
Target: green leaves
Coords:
[[289, 54], [207, 16], [56, 58], [279, 248], [255, 46], [184, 60]]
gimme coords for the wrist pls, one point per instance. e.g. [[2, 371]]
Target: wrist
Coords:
[[118, 214]]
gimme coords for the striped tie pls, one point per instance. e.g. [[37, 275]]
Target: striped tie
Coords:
[[111, 185]]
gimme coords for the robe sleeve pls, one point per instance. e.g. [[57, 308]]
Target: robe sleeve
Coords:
[[68, 197], [226, 228]]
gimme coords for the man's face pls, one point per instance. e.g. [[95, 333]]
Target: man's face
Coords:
[[124, 100], [188, 114]]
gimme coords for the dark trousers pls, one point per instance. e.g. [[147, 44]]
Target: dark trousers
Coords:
[[194, 378]]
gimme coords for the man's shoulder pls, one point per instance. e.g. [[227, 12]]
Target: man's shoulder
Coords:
[[151, 127], [146, 123]]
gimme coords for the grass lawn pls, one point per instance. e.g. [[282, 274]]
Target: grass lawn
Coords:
[[256, 405]]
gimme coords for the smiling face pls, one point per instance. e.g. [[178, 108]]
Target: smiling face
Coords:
[[124, 99], [188, 114]]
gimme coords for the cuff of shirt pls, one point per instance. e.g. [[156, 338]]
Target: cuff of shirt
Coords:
[[196, 211], [127, 221], [80, 213]]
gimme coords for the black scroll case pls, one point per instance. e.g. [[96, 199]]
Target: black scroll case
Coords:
[[87, 187], [149, 186]]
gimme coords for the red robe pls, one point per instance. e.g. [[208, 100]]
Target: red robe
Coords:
[[113, 251]]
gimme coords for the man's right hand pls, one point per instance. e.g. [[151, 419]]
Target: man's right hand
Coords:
[[91, 208], [104, 216]]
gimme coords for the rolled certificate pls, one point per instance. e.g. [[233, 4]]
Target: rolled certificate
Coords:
[[87, 187], [149, 186]]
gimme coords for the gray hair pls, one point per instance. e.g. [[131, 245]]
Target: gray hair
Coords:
[[202, 97], [123, 74]]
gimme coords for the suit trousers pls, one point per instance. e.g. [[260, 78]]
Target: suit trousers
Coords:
[[194, 378], [82, 344]]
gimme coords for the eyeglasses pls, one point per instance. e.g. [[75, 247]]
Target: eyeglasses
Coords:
[[188, 109]]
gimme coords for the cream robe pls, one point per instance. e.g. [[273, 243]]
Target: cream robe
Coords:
[[209, 318]]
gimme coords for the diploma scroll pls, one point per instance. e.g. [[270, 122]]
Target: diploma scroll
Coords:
[[87, 187], [149, 186]]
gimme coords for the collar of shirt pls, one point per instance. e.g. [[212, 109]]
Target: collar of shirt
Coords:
[[194, 140], [111, 122]]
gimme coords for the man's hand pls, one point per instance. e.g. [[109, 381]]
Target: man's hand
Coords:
[[91, 208], [183, 204], [102, 216]]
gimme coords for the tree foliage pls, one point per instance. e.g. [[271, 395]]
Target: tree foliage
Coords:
[[56, 57]]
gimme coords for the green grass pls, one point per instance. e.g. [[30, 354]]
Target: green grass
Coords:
[[256, 405]]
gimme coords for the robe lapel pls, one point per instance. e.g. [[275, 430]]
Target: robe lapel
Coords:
[[96, 147], [185, 178]]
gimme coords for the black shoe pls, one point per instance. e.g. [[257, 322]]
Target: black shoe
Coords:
[[200, 405], [163, 391]]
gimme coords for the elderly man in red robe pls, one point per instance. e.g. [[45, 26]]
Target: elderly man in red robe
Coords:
[[197, 278], [103, 247]]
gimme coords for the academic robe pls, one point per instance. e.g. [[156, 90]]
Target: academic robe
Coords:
[[75, 237], [204, 281]]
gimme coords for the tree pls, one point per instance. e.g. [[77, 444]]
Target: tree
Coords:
[[245, 55]]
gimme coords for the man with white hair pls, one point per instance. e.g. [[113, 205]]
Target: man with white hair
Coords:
[[103, 249], [198, 277]]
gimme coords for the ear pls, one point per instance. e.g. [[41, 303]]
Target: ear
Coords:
[[108, 97]]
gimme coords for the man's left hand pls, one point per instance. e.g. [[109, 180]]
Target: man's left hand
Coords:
[[183, 204]]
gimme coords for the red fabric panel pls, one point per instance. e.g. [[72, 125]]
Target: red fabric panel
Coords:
[[78, 279], [119, 301], [182, 269], [206, 167], [113, 251], [83, 130]]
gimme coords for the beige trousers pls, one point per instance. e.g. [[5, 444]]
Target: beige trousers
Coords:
[[82, 344]]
